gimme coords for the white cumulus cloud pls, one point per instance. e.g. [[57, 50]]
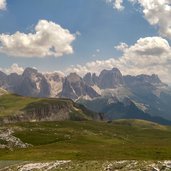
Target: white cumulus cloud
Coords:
[[157, 12], [49, 39], [147, 56], [3, 4], [117, 4], [14, 68], [121, 47]]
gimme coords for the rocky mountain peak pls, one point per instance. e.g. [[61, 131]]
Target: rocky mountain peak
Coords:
[[75, 87], [116, 70], [88, 79], [109, 79], [29, 71], [73, 77], [56, 82], [154, 79], [143, 79]]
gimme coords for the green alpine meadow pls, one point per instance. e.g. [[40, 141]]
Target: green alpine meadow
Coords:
[[88, 140]]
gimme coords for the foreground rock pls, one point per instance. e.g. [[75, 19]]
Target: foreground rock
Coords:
[[7, 140], [91, 166]]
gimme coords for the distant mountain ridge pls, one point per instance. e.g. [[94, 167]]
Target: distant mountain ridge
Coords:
[[113, 109], [147, 92]]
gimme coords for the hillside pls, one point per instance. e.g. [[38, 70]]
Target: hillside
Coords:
[[85, 140], [15, 108]]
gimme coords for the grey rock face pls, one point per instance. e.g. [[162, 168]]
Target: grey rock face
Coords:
[[107, 79], [3, 79], [88, 79], [142, 79], [110, 79], [30, 83], [34, 84], [75, 87], [55, 81]]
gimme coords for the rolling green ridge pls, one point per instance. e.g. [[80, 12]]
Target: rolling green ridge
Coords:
[[11, 104], [18, 108], [90, 140]]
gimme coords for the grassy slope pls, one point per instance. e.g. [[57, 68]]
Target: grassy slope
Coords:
[[11, 104], [88, 140]]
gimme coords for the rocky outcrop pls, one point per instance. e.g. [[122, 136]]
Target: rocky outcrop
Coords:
[[121, 165], [9, 141], [49, 110], [2, 91]]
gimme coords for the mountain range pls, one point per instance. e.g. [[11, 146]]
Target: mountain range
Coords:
[[117, 96]]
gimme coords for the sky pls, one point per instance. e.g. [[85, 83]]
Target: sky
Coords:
[[86, 36]]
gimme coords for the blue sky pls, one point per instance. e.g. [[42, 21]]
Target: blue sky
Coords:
[[101, 28]]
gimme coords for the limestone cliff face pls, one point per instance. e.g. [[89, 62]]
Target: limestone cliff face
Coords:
[[52, 111], [30, 83], [110, 79], [74, 87]]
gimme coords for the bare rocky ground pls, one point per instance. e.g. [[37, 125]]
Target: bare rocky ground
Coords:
[[88, 166], [7, 140]]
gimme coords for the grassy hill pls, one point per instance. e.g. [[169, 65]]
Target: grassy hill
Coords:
[[90, 140], [15, 108]]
